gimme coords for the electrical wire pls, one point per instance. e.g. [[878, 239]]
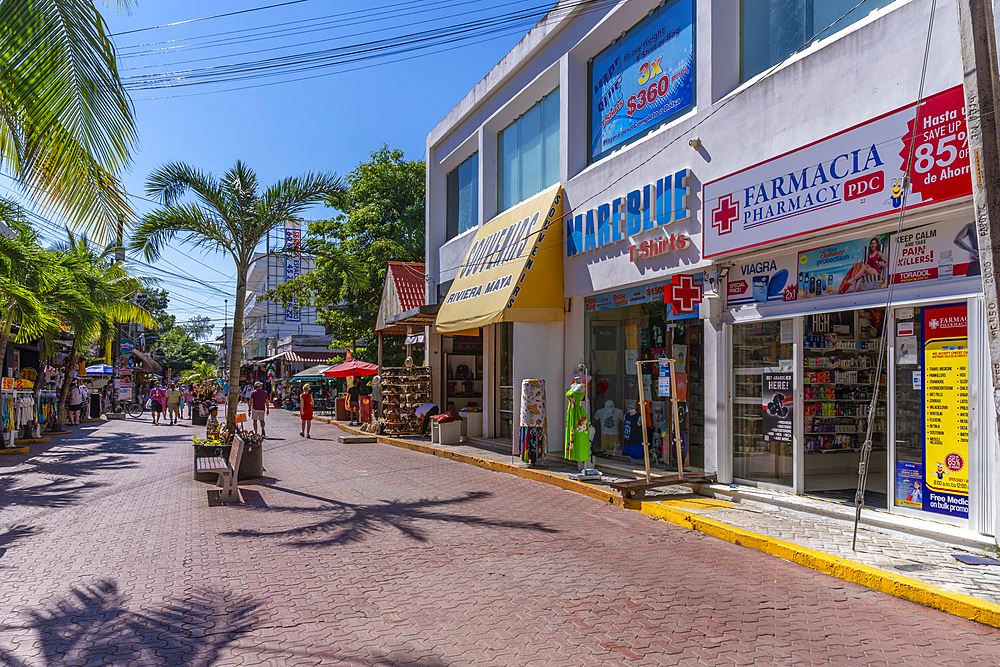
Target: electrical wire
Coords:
[[363, 51], [207, 18]]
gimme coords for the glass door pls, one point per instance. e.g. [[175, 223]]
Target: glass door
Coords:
[[931, 426], [762, 407]]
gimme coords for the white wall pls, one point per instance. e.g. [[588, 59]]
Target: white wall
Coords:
[[538, 353]]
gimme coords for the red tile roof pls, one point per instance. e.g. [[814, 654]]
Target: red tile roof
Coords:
[[409, 280]]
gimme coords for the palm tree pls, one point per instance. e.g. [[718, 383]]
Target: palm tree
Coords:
[[232, 217], [109, 299], [202, 372], [24, 279], [66, 122]]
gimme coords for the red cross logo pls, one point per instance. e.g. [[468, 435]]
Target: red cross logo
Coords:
[[684, 293], [725, 215]]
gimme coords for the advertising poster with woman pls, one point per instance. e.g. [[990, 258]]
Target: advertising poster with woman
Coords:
[[853, 266]]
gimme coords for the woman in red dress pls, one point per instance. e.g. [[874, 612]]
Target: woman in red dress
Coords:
[[306, 410]]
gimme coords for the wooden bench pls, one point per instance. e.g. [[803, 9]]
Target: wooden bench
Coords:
[[228, 471], [636, 488]]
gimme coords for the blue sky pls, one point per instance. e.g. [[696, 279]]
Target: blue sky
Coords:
[[330, 123]]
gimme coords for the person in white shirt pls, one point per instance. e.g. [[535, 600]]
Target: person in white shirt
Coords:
[[75, 405]]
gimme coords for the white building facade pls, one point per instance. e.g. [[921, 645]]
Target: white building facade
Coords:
[[266, 322], [736, 206]]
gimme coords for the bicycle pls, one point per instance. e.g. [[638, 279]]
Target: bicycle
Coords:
[[135, 409]]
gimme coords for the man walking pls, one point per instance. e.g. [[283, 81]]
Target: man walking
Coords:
[[173, 403], [259, 407]]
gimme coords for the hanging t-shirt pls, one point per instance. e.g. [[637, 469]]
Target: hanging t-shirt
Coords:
[[632, 436], [609, 417]]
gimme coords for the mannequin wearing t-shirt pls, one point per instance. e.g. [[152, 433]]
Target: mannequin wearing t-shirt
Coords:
[[632, 434], [610, 418]]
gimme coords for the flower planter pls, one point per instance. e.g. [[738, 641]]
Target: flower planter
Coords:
[[251, 463]]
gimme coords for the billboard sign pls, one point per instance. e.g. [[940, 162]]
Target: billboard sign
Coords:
[[645, 78]]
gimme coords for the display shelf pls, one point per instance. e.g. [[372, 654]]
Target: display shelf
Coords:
[[403, 390]]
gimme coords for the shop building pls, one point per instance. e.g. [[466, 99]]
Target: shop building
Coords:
[[743, 218]]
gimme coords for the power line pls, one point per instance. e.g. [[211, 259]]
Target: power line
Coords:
[[363, 51], [207, 18], [278, 34]]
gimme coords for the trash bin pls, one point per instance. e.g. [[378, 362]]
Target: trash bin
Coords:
[[95, 406]]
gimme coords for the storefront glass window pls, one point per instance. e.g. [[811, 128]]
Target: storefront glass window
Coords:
[[762, 362], [618, 337], [840, 359]]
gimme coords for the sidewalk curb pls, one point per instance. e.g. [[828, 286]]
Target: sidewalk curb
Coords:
[[595, 492], [956, 604], [964, 606]]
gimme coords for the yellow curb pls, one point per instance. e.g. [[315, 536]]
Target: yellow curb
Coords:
[[964, 606], [25, 441], [91, 421], [58, 432], [596, 492], [14, 450]]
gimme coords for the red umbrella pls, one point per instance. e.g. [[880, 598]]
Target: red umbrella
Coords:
[[352, 368]]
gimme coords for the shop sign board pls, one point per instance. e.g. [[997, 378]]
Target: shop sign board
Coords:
[[776, 394], [848, 177], [647, 208], [645, 78], [293, 269], [946, 410], [936, 252], [650, 293]]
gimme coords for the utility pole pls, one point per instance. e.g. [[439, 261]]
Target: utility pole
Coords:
[[979, 62]]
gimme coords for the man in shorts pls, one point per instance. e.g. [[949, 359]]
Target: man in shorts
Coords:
[[173, 403], [259, 407]]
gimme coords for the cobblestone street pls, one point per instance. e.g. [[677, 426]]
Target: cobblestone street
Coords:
[[373, 555]]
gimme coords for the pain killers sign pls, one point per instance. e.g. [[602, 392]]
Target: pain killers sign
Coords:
[[848, 177]]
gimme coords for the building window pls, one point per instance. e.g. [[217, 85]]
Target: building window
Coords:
[[529, 153], [463, 197], [772, 30]]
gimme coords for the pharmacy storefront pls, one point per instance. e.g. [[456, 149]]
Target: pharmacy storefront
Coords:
[[842, 311], [633, 264]]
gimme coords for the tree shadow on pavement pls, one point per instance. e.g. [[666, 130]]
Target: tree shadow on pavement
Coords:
[[344, 523], [53, 479], [15, 533], [93, 626]]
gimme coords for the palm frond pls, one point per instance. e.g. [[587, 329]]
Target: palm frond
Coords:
[[66, 122]]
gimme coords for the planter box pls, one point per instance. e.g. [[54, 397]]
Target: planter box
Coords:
[[251, 463], [115, 415]]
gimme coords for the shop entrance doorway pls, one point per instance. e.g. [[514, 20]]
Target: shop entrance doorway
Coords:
[[617, 338], [840, 362]]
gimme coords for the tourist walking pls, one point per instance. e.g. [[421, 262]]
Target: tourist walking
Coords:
[[259, 407], [156, 395], [306, 410], [173, 398], [189, 399]]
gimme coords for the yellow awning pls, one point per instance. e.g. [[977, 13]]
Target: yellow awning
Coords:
[[513, 270]]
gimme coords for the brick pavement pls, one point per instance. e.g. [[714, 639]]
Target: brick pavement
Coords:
[[373, 555]]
